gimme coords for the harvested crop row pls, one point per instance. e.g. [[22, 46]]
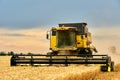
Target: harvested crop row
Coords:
[[109, 75], [95, 75]]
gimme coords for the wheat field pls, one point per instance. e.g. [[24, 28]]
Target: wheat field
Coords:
[[72, 72]]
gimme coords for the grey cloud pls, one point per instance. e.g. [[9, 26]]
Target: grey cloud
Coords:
[[14, 34]]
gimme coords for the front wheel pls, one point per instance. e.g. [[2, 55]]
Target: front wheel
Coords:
[[87, 52]]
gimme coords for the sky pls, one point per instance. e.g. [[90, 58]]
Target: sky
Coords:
[[23, 23], [33, 13]]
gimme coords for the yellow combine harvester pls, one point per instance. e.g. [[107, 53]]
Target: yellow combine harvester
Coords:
[[70, 43], [72, 37]]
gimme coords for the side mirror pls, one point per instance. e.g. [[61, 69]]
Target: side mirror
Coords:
[[86, 35], [47, 36]]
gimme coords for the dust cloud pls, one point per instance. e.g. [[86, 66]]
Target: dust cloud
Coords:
[[110, 50], [114, 54], [107, 42]]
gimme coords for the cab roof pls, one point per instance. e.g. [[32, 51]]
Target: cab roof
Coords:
[[72, 24]]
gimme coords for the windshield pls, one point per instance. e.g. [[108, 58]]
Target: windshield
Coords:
[[65, 39]]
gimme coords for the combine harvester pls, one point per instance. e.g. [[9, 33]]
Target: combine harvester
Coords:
[[70, 43]]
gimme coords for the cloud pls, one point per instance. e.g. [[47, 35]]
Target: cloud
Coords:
[[14, 34], [19, 34], [32, 32]]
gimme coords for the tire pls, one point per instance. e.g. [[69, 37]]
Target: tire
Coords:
[[86, 52], [112, 66]]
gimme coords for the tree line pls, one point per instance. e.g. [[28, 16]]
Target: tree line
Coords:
[[10, 53], [6, 54]]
